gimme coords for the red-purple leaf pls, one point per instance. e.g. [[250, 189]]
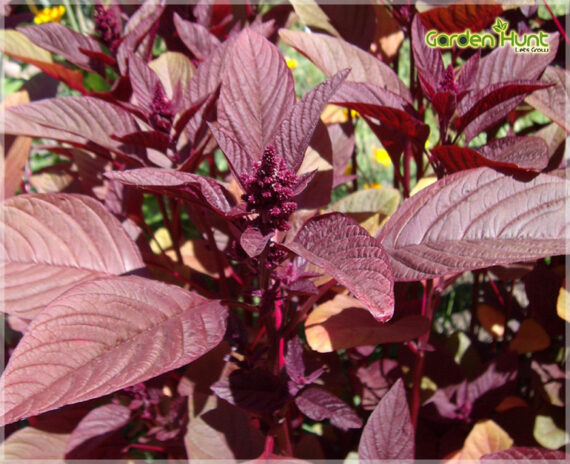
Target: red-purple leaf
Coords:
[[294, 133], [526, 152], [105, 335], [198, 39], [144, 82], [482, 109], [528, 455], [332, 55], [185, 185], [475, 219], [137, 30], [553, 101], [156, 140], [457, 18], [506, 157], [376, 379], [220, 431], [257, 91], [208, 75], [503, 65], [355, 22], [391, 110], [17, 45], [427, 59], [54, 241], [253, 242], [34, 445], [94, 429], [255, 390], [389, 433], [348, 253], [74, 119], [239, 158], [319, 404], [63, 41]]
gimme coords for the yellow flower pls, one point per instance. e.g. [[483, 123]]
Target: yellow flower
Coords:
[[291, 63], [50, 15], [382, 157], [353, 113], [373, 186], [348, 170]]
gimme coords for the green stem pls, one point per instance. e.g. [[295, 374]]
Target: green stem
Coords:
[[70, 15]]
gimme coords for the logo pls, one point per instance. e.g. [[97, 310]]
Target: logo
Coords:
[[520, 43]]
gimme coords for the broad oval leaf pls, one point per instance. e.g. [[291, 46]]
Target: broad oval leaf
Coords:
[[54, 241], [474, 219], [34, 445], [184, 185], [319, 404], [61, 40], [343, 323], [503, 64], [197, 38], [486, 437], [73, 119], [526, 152], [389, 433], [257, 90], [294, 133], [553, 101], [347, 252], [332, 55], [528, 455], [173, 69], [457, 18], [95, 428], [105, 335], [17, 45]]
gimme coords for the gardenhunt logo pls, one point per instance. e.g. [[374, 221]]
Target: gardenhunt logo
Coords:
[[524, 43]]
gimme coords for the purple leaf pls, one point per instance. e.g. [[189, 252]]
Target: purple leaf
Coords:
[[239, 158], [257, 90], [255, 390], [156, 140], [74, 119], [343, 323], [185, 185], [427, 59], [389, 433], [479, 111], [348, 253], [220, 431], [65, 42], [31, 444], [208, 75], [253, 242], [55, 241], [88, 439], [553, 101], [391, 110], [319, 404], [137, 30], [501, 155], [332, 55], [295, 131], [376, 379], [529, 153], [355, 22], [144, 82], [528, 455], [503, 65], [105, 335], [474, 219], [198, 39]]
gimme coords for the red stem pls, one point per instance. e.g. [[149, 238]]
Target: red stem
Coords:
[[558, 25]]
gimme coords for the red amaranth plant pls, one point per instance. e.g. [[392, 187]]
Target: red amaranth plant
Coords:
[[199, 273]]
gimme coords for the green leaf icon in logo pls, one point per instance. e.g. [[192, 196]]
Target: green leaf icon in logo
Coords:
[[500, 26]]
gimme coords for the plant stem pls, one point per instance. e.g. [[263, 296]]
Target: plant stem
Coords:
[[428, 307], [71, 16], [302, 312]]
